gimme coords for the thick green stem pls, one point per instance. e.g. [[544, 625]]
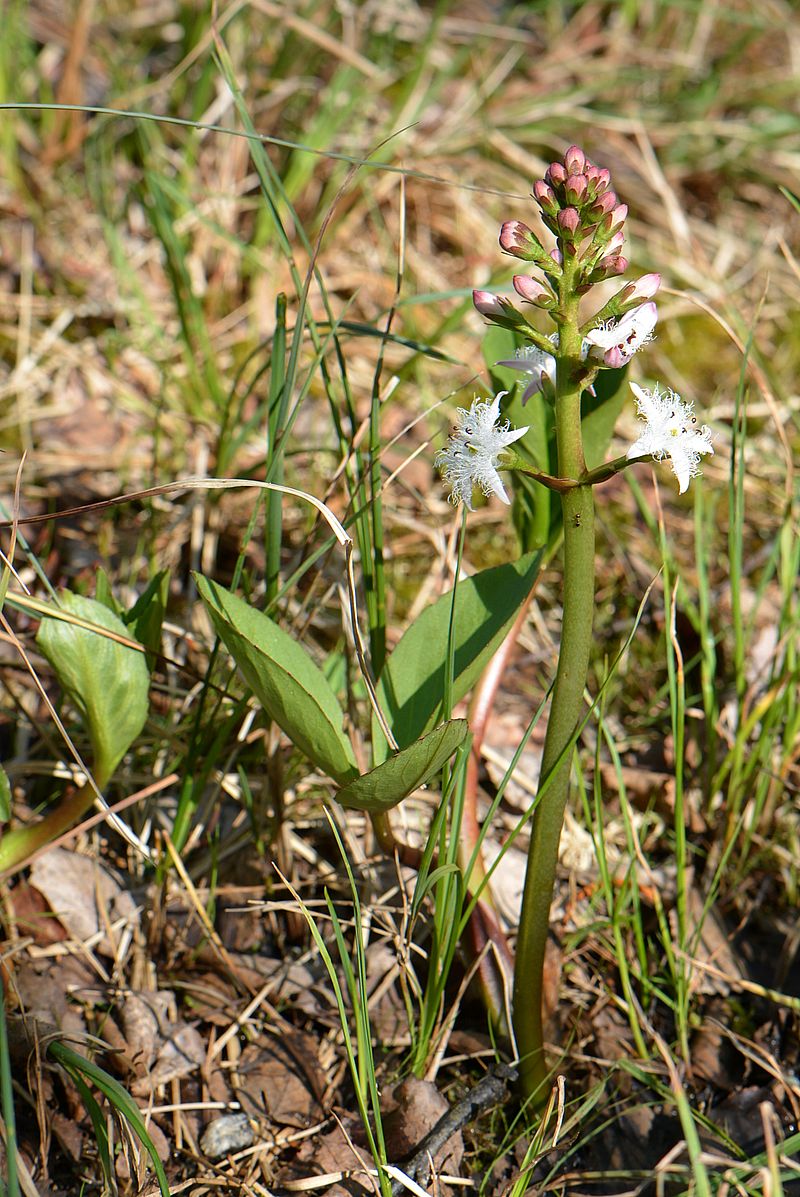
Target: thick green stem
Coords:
[[18, 845], [565, 712]]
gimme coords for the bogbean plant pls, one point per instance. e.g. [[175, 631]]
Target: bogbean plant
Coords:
[[101, 653], [579, 208]]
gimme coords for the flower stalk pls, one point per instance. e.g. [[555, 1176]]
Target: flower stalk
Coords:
[[587, 221], [577, 505]]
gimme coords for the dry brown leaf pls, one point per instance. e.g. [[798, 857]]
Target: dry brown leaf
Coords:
[[341, 1150], [281, 1077], [145, 1021], [179, 1056], [34, 917], [85, 895], [419, 1107]]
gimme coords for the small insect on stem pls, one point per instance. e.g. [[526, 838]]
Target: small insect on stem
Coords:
[[576, 519]]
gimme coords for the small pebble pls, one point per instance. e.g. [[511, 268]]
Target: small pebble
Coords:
[[223, 1136]]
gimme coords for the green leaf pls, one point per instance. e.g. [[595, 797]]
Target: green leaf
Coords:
[[5, 796], [104, 594], [107, 681], [146, 616], [391, 782], [411, 686], [290, 687], [82, 1071]]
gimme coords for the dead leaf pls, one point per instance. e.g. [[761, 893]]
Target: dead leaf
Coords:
[[179, 1056], [34, 917], [85, 895], [146, 1021], [341, 1150], [419, 1107], [281, 1077]]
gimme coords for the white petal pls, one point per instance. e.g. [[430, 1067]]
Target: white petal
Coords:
[[515, 363], [628, 334], [683, 468], [699, 441], [533, 388]]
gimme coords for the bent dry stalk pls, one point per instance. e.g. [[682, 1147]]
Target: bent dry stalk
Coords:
[[583, 214]]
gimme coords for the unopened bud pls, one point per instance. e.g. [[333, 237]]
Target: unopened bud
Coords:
[[615, 244], [574, 160], [617, 217], [532, 291], [603, 205], [545, 197], [575, 188], [569, 222], [603, 181], [609, 267], [520, 241], [644, 288], [555, 174], [487, 304]]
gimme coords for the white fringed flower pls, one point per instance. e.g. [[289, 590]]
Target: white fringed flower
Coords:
[[616, 341], [533, 361], [473, 451], [670, 431]]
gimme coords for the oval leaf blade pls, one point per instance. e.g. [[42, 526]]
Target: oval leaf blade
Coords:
[[391, 782], [284, 679], [411, 685], [107, 681]]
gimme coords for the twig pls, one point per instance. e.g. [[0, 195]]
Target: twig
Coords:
[[491, 1090]]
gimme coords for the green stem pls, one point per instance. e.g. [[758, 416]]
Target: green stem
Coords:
[[566, 707], [18, 845]]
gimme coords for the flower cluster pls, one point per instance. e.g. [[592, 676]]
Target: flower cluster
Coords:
[[578, 206]]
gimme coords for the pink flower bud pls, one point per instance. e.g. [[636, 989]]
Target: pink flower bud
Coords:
[[545, 197], [574, 160], [532, 291], [603, 205], [644, 288], [608, 267], [487, 304], [603, 181], [569, 221], [517, 239], [557, 256], [555, 174], [615, 244], [618, 216], [575, 188]]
